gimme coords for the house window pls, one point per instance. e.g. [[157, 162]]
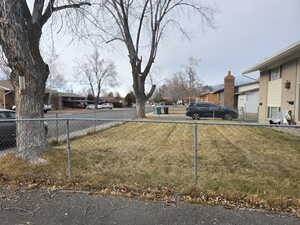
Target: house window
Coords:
[[275, 74], [273, 111]]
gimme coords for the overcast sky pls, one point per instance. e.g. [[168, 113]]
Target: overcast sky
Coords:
[[246, 33]]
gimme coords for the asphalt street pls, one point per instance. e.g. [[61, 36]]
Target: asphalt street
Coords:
[[56, 208], [58, 128]]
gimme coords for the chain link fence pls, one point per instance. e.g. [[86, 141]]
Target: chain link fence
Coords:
[[177, 152]]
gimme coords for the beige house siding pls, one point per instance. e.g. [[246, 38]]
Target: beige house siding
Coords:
[[297, 105], [263, 94], [274, 94], [289, 74], [248, 87]]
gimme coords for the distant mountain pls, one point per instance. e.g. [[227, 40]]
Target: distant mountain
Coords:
[[240, 80]]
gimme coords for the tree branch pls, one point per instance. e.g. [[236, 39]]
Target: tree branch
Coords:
[[72, 6], [151, 92], [50, 9], [37, 11]]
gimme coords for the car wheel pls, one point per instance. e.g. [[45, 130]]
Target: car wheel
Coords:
[[228, 117], [195, 116]]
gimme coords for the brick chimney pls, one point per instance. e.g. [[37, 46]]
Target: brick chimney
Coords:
[[229, 90]]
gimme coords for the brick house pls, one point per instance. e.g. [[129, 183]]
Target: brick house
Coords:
[[59, 100], [209, 97], [279, 83], [7, 96]]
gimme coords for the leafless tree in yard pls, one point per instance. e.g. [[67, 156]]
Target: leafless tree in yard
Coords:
[[20, 34], [98, 73], [141, 25]]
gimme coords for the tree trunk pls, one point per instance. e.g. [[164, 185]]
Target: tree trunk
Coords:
[[20, 38], [31, 136], [140, 107], [139, 91], [96, 102]]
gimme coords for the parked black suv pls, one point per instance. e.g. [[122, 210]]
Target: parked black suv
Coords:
[[209, 110], [7, 128]]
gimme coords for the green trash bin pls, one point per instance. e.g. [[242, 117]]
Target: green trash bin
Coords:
[[158, 110], [166, 110]]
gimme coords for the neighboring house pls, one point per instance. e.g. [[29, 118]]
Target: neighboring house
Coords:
[[59, 100], [67, 100], [248, 99], [209, 97], [111, 99], [7, 97], [116, 101], [279, 83], [239, 93]]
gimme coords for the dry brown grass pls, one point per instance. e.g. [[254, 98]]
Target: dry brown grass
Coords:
[[241, 164]]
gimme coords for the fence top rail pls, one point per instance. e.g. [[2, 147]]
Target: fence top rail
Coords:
[[155, 121]]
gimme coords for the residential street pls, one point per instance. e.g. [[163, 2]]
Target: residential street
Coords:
[[117, 113], [55, 208]]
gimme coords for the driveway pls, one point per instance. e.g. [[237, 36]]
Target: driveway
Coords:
[[49, 208]]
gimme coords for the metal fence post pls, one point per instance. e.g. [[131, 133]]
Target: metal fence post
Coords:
[[69, 153], [95, 125], [195, 161], [56, 127]]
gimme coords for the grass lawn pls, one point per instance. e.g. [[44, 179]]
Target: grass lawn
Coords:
[[246, 166]]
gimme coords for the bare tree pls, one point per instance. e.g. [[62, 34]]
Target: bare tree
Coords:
[[194, 85], [55, 79], [184, 84], [140, 25], [176, 87], [20, 35], [99, 73]]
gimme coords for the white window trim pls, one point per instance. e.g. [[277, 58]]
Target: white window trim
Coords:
[[270, 73], [268, 117]]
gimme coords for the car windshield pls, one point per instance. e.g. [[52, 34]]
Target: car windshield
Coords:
[[10, 115], [227, 108], [7, 115]]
